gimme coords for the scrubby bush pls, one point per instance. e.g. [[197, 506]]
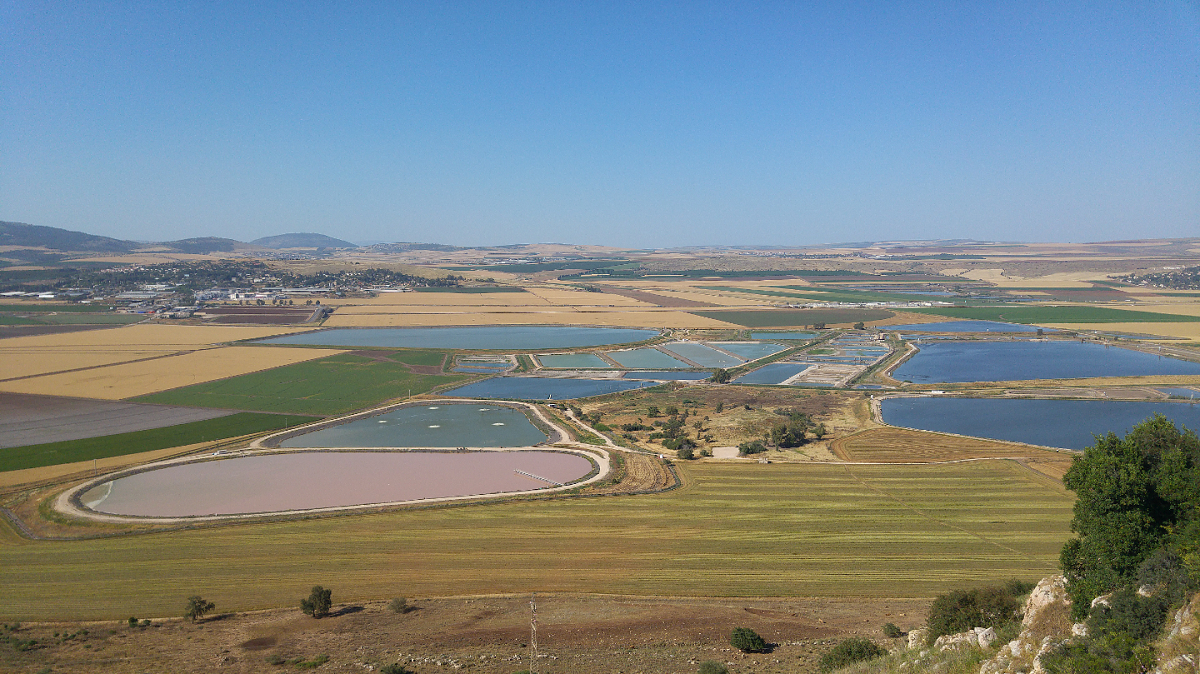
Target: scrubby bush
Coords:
[[712, 667], [394, 668], [748, 448], [891, 631], [747, 640], [849, 652], [399, 605], [961, 610]]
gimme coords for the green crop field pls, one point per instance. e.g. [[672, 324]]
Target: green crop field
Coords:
[[326, 386], [1041, 315], [832, 295], [120, 444], [779, 318], [58, 308], [732, 530]]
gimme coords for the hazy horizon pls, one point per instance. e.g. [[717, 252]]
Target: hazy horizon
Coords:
[[625, 125]]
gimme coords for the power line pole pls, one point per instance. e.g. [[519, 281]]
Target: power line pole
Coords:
[[533, 653]]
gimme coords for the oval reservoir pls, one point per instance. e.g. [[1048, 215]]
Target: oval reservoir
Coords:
[[329, 479]]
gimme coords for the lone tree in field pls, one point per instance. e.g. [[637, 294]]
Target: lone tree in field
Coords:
[[318, 603], [747, 640], [720, 376], [196, 608]]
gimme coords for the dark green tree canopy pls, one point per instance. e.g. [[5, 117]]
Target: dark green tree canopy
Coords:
[[1136, 494], [318, 603]]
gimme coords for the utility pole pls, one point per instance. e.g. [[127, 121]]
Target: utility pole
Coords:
[[533, 652]]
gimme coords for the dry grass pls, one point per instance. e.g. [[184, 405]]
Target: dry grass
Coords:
[[148, 336], [28, 361], [128, 380], [1177, 330], [899, 445], [732, 530]]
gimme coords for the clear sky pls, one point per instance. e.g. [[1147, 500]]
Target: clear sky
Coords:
[[630, 124]]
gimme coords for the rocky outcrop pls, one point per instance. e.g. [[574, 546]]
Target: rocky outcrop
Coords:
[[1045, 625], [1179, 649]]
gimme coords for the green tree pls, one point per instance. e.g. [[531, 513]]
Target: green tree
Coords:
[[318, 603], [1135, 494], [859, 326], [849, 652], [720, 376], [196, 608], [747, 640]]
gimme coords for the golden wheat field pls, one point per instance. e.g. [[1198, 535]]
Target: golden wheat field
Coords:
[[631, 319], [127, 380]]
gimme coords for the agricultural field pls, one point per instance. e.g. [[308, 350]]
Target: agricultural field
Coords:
[[742, 530], [106, 446], [1042, 315], [171, 370], [26, 419], [786, 318], [900, 445], [326, 385]]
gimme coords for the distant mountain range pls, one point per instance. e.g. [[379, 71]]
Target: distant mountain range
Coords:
[[302, 240], [53, 238]]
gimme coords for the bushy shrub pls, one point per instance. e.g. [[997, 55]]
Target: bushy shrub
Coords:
[[712, 667], [849, 652], [394, 668], [747, 640], [748, 448], [685, 452], [398, 605], [961, 610], [891, 631]]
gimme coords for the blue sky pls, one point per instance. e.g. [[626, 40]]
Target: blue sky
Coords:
[[628, 124]]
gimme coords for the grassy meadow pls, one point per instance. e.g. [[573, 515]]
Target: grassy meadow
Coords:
[[120, 444], [732, 530], [326, 386]]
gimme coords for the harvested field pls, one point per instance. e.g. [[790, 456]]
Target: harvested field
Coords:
[[631, 319], [24, 362], [339, 383], [1189, 330], [71, 451], [657, 299], [28, 419], [782, 318], [642, 473], [116, 382], [795, 530], [899, 445], [144, 337]]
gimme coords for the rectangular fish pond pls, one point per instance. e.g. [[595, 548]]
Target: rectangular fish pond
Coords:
[[667, 375], [439, 425], [500, 337], [750, 350], [1070, 424], [330, 479], [775, 373], [544, 388], [786, 336], [646, 359], [702, 355], [964, 361], [572, 361]]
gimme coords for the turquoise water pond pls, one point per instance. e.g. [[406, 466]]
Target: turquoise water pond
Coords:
[[775, 373], [750, 350], [441, 425], [646, 359], [702, 355], [572, 360], [499, 337]]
